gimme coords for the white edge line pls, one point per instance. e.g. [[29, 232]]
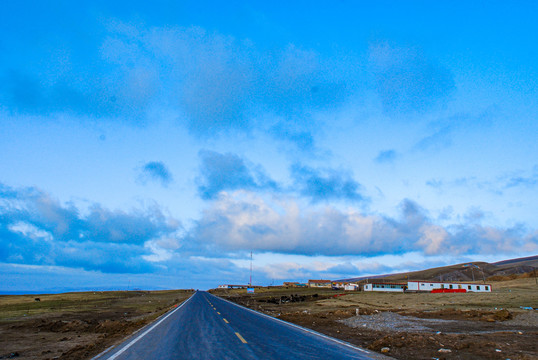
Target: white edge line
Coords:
[[104, 352], [341, 342], [143, 334]]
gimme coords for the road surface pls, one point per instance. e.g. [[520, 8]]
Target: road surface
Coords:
[[208, 327]]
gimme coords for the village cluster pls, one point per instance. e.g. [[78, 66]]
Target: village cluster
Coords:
[[408, 286]]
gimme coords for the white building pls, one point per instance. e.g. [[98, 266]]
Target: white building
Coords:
[[447, 286], [428, 286], [384, 287], [351, 287], [320, 283]]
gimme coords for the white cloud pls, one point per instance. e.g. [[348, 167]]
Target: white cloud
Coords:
[[434, 239], [244, 221], [162, 249], [30, 230]]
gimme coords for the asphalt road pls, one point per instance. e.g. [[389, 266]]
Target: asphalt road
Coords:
[[207, 327]]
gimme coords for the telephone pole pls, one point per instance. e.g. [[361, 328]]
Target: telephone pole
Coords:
[[250, 282]]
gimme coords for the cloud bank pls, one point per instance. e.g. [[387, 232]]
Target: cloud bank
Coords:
[[217, 82], [214, 82], [244, 221], [37, 230]]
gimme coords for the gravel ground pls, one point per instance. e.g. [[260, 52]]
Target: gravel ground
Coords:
[[529, 319], [387, 321], [390, 321]]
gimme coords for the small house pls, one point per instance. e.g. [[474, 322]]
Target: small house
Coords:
[[319, 283], [338, 285], [351, 287], [388, 287]]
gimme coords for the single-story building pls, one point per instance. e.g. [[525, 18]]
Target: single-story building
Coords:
[[436, 286], [338, 285], [319, 283], [389, 287], [227, 286], [428, 286], [351, 287]]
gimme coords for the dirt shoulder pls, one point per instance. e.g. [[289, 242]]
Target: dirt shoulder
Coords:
[[76, 325], [414, 325]]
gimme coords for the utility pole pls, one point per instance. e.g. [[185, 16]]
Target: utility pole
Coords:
[[479, 268], [250, 282], [471, 265], [483, 275]]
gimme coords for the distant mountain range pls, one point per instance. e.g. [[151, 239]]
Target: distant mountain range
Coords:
[[60, 290], [473, 271]]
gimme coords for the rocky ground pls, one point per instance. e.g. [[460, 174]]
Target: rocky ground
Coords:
[[407, 340]]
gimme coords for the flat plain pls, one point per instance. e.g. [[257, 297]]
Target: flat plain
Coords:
[[76, 325], [402, 325]]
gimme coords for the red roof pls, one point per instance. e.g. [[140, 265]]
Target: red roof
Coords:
[[445, 282], [319, 281]]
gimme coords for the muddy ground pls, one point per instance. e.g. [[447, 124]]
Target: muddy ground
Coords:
[[414, 326], [77, 325]]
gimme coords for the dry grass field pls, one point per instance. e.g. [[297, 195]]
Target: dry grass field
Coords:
[[76, 325], [511, 295]]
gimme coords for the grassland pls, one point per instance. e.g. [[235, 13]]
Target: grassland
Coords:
[[76, 325]]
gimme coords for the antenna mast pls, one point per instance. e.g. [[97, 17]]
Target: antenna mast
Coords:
[[250, 283]]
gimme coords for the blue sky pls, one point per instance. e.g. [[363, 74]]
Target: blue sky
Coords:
[[156, 145]]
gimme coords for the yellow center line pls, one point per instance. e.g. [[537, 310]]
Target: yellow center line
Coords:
[[241, 338], [218, 313], [226, 321]]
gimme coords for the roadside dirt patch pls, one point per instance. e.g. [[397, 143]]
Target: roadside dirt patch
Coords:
[[457, 314], [416, 338]]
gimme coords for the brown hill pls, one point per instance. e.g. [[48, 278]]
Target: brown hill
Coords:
[[475, 271]]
